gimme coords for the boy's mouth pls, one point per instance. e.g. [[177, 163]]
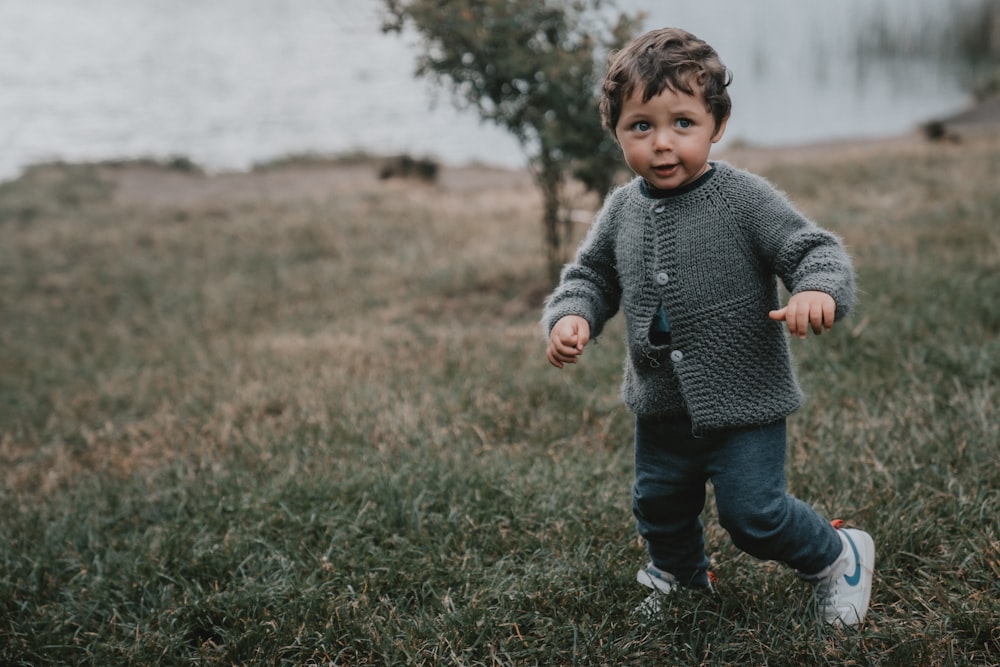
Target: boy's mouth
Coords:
[[665, 170]]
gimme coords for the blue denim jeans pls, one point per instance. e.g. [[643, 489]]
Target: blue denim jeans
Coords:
[[746, 467]]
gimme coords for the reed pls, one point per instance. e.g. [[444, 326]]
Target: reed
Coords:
[[965, 40]]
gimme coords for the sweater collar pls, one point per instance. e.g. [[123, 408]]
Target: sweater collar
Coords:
[[656, 193]]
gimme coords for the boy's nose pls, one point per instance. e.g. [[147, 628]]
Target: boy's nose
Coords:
[[662, 141]]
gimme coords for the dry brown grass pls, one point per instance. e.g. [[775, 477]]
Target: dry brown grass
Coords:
[[303, 416]]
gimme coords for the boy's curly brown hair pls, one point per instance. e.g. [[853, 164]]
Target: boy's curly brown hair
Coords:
[[665, 58]]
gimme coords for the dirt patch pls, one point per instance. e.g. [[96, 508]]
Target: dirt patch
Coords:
[[153, 185]]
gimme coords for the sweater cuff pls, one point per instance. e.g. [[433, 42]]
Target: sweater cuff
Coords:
[[843, 295], [555, 312]]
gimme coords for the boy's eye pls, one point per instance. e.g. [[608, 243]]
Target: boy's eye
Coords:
[[684, 123], [642, 126]]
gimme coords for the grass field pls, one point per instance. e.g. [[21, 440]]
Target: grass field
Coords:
[[320, 429]]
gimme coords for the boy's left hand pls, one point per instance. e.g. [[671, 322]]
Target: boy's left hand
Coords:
[[806, 310]]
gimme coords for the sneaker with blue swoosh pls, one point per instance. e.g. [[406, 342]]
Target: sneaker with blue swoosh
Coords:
[[844, 589]]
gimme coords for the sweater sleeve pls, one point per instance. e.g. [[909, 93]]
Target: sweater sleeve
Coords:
[[589, 285], [803, 255]]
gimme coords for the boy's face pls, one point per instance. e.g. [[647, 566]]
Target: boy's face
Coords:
[[667, 139]]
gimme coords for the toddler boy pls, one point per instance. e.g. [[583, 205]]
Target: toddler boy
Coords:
[[691, 251]]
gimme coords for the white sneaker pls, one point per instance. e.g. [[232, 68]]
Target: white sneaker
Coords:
[[663, 584], [845, 587]]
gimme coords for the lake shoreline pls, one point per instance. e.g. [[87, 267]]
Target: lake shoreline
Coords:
[[178, 181]]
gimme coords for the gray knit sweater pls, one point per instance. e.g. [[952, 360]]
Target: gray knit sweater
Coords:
[[711, 257]]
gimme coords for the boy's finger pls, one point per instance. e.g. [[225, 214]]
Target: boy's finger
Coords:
[[559, 357], [804, 322], [829, 313], [565, 351], [566, 345], [817, 321]]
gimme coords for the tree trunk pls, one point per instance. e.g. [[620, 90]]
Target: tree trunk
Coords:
[[549, 179]]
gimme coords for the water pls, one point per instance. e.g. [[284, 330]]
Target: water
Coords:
[[233, 82]]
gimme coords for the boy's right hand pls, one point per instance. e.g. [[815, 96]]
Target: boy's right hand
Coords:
[[567, 340]]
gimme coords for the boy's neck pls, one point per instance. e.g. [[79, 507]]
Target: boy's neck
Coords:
[[657, 193]]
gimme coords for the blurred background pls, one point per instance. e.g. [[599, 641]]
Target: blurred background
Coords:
[[230, 83]]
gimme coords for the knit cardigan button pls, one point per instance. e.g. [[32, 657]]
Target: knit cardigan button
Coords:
[[662, 278], [676, 356]]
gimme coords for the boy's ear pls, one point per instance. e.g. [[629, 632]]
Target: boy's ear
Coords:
[[720, 130]]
